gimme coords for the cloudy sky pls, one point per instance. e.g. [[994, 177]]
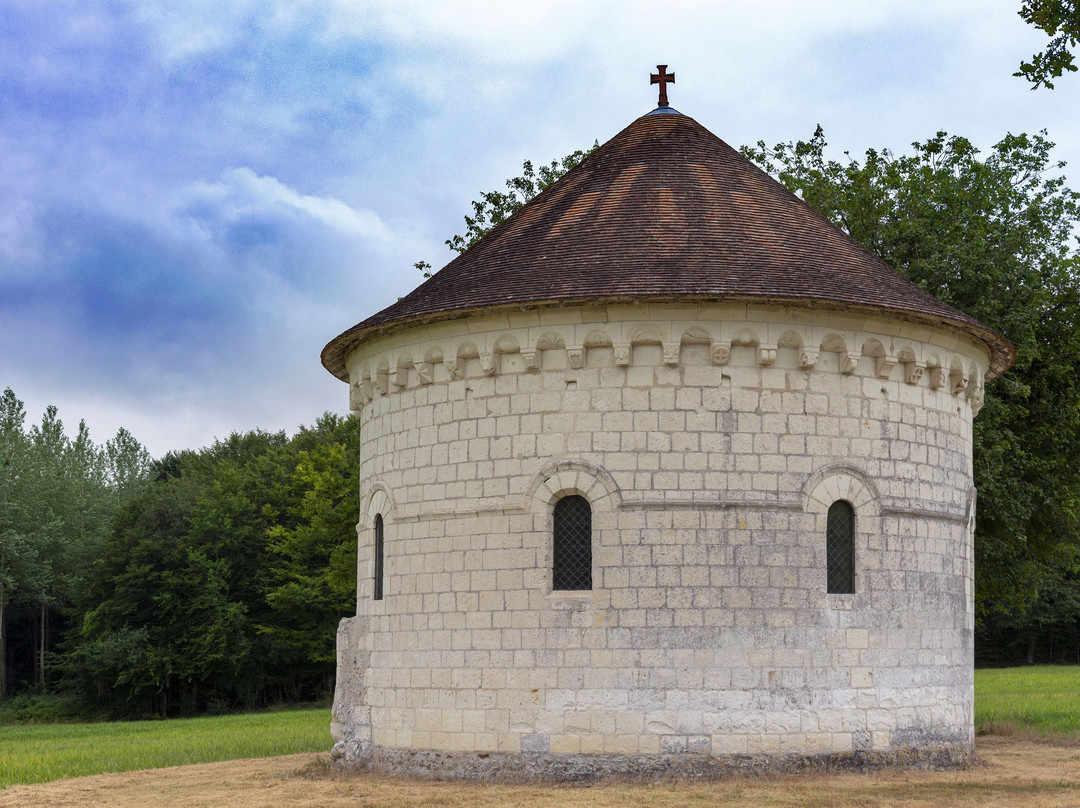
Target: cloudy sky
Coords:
[[195, 197]]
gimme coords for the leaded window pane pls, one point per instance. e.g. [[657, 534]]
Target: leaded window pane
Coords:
[[572, 547], [840, 548], [378, 594]]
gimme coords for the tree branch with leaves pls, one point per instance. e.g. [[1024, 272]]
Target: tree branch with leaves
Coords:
[[1060, 19]]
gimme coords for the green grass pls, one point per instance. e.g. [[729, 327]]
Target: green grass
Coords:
[[39, 752], [1042, 699]]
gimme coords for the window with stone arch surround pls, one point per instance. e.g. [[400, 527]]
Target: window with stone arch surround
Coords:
[[373, 533], [558, 482], [835, 490]]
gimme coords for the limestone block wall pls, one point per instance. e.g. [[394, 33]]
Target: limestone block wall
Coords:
[[710, 441]]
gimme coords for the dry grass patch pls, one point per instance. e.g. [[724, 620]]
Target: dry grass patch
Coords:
[[1012, 774]]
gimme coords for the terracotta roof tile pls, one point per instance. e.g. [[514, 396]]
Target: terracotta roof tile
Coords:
[[665, 210]]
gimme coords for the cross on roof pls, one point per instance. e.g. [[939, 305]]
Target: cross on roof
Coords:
[[662, 78]]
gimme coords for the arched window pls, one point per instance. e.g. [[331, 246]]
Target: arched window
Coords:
[[840, 547], [378, 557], [572, 544]]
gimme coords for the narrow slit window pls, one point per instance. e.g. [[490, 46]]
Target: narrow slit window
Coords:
[[572, 544], [378, 593], [840, 548]]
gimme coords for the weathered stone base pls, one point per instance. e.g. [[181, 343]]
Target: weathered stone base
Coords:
[[504, 767]]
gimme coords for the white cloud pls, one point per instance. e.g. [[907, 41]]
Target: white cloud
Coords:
[[241, 193]]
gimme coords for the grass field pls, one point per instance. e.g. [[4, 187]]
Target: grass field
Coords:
[[35, 753], [1039, 699]]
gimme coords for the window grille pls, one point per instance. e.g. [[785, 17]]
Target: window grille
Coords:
[[840, 548], [378, 558], [572, 545]]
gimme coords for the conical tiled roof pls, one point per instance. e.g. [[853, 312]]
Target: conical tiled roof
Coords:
[[666, 210]]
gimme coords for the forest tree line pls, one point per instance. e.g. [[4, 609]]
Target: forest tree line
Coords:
[[204, 580]]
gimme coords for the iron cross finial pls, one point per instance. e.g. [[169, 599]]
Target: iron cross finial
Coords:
[[662, 78]]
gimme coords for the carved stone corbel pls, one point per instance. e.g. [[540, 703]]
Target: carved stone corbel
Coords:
[[356, 397], [575, 357], [939, 377], [766, 355], [721, 353], [848, 363], [959, 381], [913, 372], [425, 372], [453, 368], [622, 353], [883, 366], [487, 363], [671, 353], [975, 398], [382, 382], [808, 359], [400, 377], [530, 359]]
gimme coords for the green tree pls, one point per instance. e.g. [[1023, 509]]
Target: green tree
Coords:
[[14, 520], [126, 465], [224, 575], [314, 566], [1060, 19], [159, 621], [993, 236], [43, 582]]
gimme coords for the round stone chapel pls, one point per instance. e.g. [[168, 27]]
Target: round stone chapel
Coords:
[[665, 475]]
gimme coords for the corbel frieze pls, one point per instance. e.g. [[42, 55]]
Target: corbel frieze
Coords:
[[943, 374]]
